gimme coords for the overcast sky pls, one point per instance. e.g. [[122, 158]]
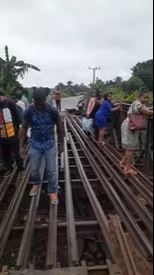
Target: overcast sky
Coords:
[[64, 37]]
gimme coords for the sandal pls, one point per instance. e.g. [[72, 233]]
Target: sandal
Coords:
[[54, 199], [34, 191], [130, 172], [121, 165], [102, 143]]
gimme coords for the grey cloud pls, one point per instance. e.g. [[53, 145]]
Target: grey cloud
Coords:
[[64, 37]]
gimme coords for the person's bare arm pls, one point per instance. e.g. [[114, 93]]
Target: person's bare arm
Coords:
[[117, 108], [146, 111], [116, 104], [89, 108]]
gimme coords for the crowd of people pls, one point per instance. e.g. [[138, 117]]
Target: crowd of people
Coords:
[[97, 119], [17, 116]]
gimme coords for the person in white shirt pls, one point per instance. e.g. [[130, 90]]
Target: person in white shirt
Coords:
[[24, 98], [21, 104], [16, 96]]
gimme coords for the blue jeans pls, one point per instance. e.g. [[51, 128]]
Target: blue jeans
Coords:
[[36, 158]]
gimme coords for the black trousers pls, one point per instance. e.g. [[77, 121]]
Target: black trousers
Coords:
[[10, 152], [58, 105]]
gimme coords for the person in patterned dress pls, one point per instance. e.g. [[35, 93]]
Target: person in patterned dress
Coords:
[[130, 138]]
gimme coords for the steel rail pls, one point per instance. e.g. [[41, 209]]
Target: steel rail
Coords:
[[8, 221], [97, 208], [73, 255], [8, 180], [136, 182], [139, 208], [144, 180], [112, 156], [140, 238], [23, 255], [51, 256], [141, 182], [124, 247], [6, 183]]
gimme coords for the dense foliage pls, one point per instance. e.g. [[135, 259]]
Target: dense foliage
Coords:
[[142, 75], [10, 70], [144, 71]]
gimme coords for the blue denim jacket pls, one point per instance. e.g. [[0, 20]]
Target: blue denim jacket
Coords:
[[42, 126]]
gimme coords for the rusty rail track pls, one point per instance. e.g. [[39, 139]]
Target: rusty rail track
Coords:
[[141, 239], [94, 194]]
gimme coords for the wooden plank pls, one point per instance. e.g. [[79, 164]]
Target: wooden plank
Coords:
[[58, 271], [69, 271], [99, 267]]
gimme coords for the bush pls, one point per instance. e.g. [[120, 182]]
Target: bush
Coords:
[[133, 96], [120, 96], [66, 94]]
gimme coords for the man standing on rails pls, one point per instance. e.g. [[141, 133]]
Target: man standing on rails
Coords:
[[57, 97], [42, 118]]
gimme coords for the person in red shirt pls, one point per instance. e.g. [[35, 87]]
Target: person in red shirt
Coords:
[[57, 97]]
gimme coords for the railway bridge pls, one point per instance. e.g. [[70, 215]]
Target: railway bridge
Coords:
[[102, 225]]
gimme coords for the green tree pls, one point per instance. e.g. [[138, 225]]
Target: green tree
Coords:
[[61, 86], [144, 71], [133, 84], [118, 80], [11, 69], [69, 83], [98, 85]]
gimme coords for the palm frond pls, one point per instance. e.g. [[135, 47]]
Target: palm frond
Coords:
[[12, 61], [20, 63], [21, 72], [2, 61], [11, 69], [7, 53], [30, 66]]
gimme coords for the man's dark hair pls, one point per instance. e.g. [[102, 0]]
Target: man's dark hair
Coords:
[[144, 91], [98, 95], [17, 93], [16, 96], [106, 95], [47, 90], [25, 92], [39, 94], [18, 88]]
